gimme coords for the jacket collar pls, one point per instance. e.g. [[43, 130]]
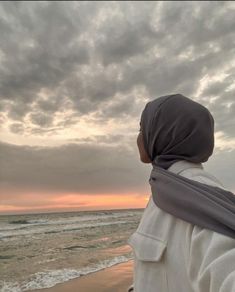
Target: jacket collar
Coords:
[[181, 165]]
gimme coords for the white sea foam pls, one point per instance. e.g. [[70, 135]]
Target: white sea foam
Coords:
[[49, 278]]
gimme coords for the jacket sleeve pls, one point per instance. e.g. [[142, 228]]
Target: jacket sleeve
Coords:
[[211, 261]]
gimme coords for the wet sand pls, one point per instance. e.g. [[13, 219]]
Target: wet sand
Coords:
[[114, 279]]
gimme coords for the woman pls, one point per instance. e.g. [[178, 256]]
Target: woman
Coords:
[[190, 247]]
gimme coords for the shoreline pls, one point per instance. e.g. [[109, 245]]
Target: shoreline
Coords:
[[117, 278]]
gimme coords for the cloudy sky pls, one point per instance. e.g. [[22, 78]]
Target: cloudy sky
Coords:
[[74, 79]]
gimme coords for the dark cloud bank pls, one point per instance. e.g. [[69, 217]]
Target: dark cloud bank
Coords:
[[84, 168]]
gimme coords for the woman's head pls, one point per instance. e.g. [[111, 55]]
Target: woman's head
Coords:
[[173, 128]]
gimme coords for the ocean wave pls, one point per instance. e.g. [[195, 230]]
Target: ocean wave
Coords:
[[74, 219], [47, 230], [49, 278], [19, 222], [29, 223], [24, 221]]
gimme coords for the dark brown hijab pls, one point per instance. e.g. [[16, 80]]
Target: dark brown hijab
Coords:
[[175, 128]]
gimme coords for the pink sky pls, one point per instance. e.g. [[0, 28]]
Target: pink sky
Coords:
[[15, 202]]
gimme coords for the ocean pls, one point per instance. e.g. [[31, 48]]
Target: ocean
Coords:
[[40, 250]]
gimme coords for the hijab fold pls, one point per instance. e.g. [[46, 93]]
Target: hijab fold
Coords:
[[176, 128], [207, 206]]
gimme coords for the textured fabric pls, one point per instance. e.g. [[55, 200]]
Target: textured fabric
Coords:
[[175, 127], [172, 255], [207, 206]]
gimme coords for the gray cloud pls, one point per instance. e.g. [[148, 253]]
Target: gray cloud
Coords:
[[41, 119], [120, 40], [222, 165], [49, 106], [88, 54], [40, 47], [17, 128]]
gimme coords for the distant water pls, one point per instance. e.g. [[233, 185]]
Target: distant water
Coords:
[[41, 250]]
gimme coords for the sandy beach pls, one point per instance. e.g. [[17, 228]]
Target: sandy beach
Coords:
[[116, 278]]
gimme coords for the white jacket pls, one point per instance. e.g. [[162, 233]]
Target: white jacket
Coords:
[[172, 255]]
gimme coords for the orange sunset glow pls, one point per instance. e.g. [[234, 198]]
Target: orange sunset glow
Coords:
[[73, 202]]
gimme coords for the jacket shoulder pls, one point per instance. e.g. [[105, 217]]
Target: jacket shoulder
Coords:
[[210, 256], [203, 176]]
